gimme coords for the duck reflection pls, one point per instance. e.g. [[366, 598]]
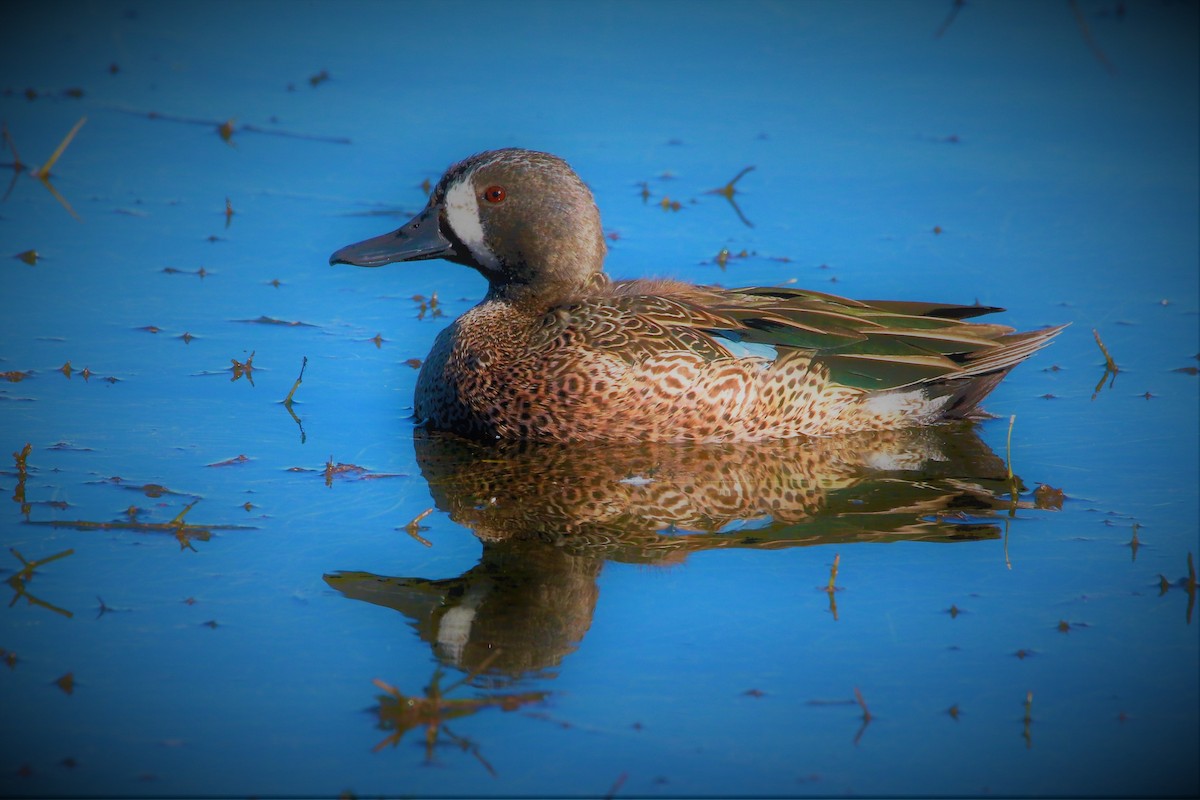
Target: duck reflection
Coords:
[[550, 514]]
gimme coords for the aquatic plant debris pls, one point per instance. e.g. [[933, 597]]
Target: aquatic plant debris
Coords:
[[43, 172], [184, 532], [728, 191], [227, 128], [19, 580], [1028, 720], [239, 368], [1108, 359], [400, 713], [414, 527], [1080, 21], [1188, 584], [287, 401]]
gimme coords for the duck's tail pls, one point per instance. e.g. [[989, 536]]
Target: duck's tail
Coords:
[[982, 373]]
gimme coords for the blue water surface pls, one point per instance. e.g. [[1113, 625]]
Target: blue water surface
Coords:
[[236, 575]]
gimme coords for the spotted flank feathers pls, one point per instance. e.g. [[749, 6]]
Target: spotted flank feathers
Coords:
[[558, 351]]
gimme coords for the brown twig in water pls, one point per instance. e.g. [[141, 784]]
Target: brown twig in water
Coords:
[[287, 401], [1008, 447], [863, 703], [1089, 41], [1109, 364], [43, 172], [616, 787], [954, 9], [413, 528], [1028, 719], [866, 717]]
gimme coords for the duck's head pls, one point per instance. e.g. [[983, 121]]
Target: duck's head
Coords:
[[522, 218]]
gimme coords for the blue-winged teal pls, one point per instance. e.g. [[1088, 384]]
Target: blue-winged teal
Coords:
[[558, 351]]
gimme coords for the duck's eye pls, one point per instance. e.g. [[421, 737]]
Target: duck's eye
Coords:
[[494, 194]]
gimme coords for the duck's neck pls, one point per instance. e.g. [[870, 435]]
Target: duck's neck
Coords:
[[546, 287]]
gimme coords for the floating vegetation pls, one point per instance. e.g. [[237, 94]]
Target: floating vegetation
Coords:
[[866, 715], [200, 272], [105, 608], [1188, 584], [22, 473], [351, 472], [1080, 21], [230, 462], [42, 173], [616, 787], [724, 255], [1028, 720], [955, 7], [1134, 543], [239, 368], [19, 580], [1110, 366], [400, 713], [728, 191], [429, 306], [1048, 498], [265, 320], [226, 129], [415, 527], [287, 401], [183, 531]]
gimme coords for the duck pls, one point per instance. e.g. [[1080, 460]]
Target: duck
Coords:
[[559, 351]]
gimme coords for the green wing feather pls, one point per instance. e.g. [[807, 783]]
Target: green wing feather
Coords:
[[875, 345]]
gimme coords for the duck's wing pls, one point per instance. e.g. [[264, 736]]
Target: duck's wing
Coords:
[[875, 345]]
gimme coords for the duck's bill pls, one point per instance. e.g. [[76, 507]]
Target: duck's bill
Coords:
[[418, 239]]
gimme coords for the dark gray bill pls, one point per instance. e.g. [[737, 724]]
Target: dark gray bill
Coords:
[[417, 239]]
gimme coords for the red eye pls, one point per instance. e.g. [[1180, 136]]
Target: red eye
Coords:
[[494, 194]]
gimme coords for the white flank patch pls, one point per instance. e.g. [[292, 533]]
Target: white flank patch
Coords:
[[912, 403], [454, 630], [739, 349], [894, 462], [636, 480], [462, 214]]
